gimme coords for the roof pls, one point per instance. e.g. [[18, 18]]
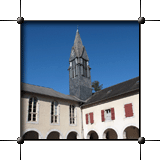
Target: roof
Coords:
[[107, 93], [47, 91], [115, 90], [78, 48]]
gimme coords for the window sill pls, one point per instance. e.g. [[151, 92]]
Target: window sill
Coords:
[[72, 125], [109, 120], [129, 117], [55, 124], [32, 122], [90, 124]]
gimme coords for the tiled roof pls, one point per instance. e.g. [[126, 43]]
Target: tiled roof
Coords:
[[118, 89], [47, 91]]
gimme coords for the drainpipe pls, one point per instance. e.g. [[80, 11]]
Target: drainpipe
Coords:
[[82, 132]]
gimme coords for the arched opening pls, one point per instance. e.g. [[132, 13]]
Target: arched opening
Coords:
[[72, 135], [110, 134], [53, 135], [131, 132], [92, 135], [31, 135]]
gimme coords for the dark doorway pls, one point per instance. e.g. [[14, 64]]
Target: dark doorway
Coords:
[[131, 132], [31, 135], [110, 134], [53, 135], [72, 135], [93, 135]]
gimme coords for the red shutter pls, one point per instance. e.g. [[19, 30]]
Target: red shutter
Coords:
[[112, 114], [86, 118], [128, 110], [91, 117], [102, 115]]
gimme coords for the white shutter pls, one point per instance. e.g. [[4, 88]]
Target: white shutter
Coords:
[[88, 118]]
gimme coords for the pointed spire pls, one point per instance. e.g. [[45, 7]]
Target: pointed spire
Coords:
[[78, 44]]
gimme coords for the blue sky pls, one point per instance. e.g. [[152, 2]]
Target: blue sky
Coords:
[[112, 47]]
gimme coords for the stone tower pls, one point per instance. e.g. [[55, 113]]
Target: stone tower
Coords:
[[79, 70]]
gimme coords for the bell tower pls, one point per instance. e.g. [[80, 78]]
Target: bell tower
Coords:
[[79, 70]]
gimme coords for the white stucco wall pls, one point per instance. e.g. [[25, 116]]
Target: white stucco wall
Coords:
[[120, 122], [43, 125]]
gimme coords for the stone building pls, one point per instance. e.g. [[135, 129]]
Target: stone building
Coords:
[[112, 113]]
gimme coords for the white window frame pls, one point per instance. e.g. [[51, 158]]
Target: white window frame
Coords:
[[89, 122], [58, 113], [74, 116], [108, 116], [37, 110]]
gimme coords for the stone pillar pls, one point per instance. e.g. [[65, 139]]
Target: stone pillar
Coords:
[[124, 135]]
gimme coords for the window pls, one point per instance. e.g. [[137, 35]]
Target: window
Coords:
[[128, 110], [54, 112], [72, 72], [32, 109], [109, 91], [85, 68], [74, 69], [107, 115], [89, 118], [72, 114]]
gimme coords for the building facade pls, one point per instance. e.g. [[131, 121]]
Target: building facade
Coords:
[[112, 113]]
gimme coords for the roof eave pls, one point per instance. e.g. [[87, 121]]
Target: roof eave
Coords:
[[110, 97], [51, 96]]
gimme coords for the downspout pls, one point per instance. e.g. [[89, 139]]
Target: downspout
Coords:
[[82, 130]]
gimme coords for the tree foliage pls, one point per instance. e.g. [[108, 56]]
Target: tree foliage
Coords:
[[96, 86]]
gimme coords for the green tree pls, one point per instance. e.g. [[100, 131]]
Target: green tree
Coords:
[[96, 86]]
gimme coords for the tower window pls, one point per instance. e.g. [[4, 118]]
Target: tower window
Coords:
[[85, 68], [32, 109], [73, 69]]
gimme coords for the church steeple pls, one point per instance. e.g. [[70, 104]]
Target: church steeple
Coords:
[[79, 70]]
